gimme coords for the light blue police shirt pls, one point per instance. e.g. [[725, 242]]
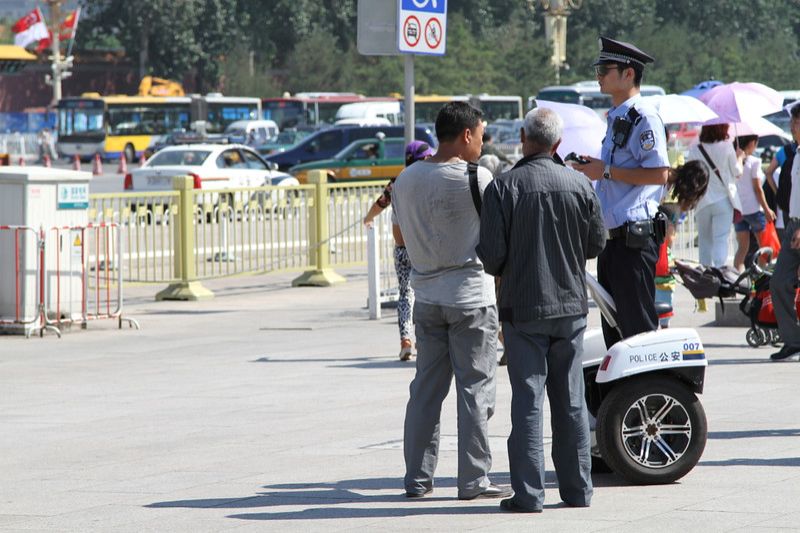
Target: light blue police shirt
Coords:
[[646, 148]]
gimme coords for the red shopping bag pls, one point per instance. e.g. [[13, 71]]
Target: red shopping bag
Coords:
[[769, 237]]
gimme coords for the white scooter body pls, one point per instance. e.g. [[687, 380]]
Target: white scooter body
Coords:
[[646, 352], [651, 351], [647, 423]]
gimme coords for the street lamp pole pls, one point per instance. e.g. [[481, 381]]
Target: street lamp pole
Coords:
[[555, 27], [59, 67]]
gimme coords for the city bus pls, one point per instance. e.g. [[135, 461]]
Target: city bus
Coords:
[[311, 109], [114, 125], [494, 107], [427, 106], [497, 107]]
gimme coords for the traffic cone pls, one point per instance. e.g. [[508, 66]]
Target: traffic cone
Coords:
[[97, 168], [76, 162], [123, 165], [47, 162], [21, 161], [142, 160]]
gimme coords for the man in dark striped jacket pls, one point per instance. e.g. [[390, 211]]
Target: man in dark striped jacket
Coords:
[[540, 222]]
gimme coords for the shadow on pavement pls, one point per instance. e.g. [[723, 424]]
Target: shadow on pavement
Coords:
[[715, 362], [754, 434], [342, 492], [746, 461]]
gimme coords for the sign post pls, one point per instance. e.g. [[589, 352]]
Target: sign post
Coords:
[[421, 29], [392, 27]]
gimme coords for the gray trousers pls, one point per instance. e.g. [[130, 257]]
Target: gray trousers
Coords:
[[782, 288], [548, 353], [461, 342]]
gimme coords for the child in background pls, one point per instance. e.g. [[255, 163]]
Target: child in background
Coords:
[[665, 280], [686, 185]]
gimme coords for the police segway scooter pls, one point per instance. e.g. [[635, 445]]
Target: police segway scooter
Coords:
[[647, 422]]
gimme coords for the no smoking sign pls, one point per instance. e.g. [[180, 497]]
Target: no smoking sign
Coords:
[[422, 26]]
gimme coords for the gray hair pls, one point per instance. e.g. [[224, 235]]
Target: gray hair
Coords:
[[543, 127], [492, 163]]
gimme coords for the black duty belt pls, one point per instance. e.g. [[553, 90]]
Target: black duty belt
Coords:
[[617, 233], [647, 226]]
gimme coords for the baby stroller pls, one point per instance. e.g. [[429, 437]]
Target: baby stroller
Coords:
[[725, 282], [758, 304]]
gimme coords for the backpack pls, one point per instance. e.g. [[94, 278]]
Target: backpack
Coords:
[[785, 181]]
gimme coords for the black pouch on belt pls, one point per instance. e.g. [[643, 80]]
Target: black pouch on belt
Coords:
[[660, 223], [638, 233]]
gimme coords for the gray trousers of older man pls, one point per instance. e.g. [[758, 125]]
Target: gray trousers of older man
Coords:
[[461, 342], [547, 354], [782, 286]]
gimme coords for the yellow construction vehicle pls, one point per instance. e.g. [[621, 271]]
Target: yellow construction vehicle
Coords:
[[152, 86]]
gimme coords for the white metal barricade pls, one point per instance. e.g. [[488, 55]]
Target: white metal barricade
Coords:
[[383, 286], [21, 308], [84, 278]]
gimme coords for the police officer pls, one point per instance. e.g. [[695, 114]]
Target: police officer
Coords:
[[630, 183]]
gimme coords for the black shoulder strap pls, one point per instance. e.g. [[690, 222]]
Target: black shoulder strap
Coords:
[[710, 163], [472, 169]]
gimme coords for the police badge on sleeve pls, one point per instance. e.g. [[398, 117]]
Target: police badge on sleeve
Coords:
[[647, 140]]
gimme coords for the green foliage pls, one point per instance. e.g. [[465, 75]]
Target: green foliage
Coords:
[[494, 46]]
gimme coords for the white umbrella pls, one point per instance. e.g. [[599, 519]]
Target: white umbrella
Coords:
[[756, 126], [678, 108], [583, 129]]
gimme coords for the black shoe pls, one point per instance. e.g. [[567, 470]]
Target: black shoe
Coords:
[[510, 505], [410, 494], [785, 353], [492, 491]]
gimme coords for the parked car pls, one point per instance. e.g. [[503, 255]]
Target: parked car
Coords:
[[768, 146], [365, 159], [251, 131], [213, 167], [327, 143], [283, 141]]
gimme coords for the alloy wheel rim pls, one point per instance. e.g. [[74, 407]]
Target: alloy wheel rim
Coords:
[[656, 431]]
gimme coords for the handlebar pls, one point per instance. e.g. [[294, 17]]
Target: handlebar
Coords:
[[767, 251]]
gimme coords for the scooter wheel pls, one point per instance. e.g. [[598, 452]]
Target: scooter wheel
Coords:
[[651, 430], [754, 337]]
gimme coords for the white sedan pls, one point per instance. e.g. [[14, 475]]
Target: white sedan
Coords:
[[213, 166]]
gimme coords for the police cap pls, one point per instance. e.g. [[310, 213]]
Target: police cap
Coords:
[[612, 51]]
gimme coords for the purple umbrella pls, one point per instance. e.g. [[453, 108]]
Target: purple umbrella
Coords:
[[737, 102]]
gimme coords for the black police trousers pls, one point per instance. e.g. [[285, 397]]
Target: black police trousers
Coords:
[[628, 275]]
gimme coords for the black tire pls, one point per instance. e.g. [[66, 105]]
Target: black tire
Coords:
[[599, 466], [130, 153], [651, 456], [753, 338]]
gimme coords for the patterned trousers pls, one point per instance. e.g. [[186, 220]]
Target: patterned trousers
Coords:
[[405, 304]]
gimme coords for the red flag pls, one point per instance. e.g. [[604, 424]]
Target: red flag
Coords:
[[66, 31], [29, 28]]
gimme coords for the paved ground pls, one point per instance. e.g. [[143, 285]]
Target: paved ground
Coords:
[[273, 408]]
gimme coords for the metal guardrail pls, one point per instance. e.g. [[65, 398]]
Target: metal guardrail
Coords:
[[19, 145], [239, 231], [145, 222]]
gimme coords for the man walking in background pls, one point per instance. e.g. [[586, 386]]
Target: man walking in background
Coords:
[[540, 223]]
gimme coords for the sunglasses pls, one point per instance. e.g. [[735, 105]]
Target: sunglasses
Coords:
[[602, 70]]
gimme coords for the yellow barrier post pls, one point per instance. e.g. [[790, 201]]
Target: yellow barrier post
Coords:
[[323, 275], [188, 288]]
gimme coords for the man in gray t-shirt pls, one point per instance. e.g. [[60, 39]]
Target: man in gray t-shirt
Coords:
[[455, 314]]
